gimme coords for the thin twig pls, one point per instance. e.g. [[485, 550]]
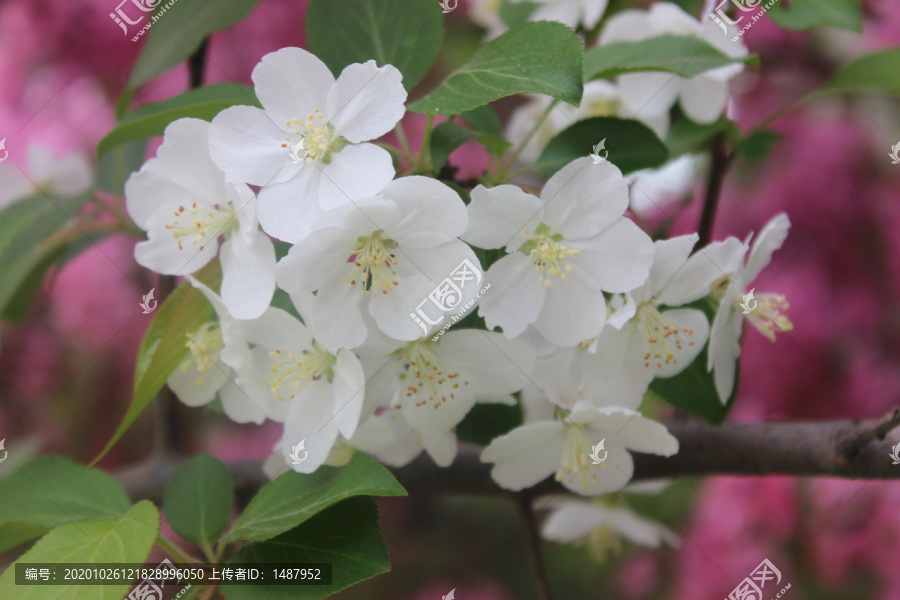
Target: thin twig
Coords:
[[197, 65], [533, 539], [721, 159], [877, 432]]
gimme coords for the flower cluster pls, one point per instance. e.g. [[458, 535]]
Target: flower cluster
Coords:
[[582, 309]]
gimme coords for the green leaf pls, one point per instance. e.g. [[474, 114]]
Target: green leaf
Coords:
[[543, 57], [179, 31], [448, 136], [118, 164], [876, 72], [694, 390], [28, 252], [632, 145], [52, 490], [152, 119], [197, 499], [10, 227], [15, 534], [686, 56], [483, 119], [403, 33], [346, 535], [515, 13], [164, 344], [687, 137], [292, 498], [488, 421], [758, 145], [128, 539], [806, 14]]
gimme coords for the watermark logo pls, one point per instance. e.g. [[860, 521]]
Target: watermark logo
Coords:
[[448, 7], [296, 450], [751, 588], [595, 453], [4, 150], [448, 295], [121, 17], [894, 449], [894, 154], [722, 20], [449, 596], [148, 590], [595, 155], [5, 453], [298, 152], [749, 304], [146, 303]]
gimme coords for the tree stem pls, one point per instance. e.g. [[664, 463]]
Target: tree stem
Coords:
[[721, 159], [533, 540]]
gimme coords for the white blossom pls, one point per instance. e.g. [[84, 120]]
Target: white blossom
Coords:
[[185, 204], [530, 453], [766, 314], [305, 146], [381, 255], [565, 249]]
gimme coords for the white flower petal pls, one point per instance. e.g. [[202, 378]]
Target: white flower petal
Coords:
[[366, 101], [248, 275], [520, 299], [582, 199], [291, 82], [703, 98], [247, 145], [668, 257], [300, 270], [526, 455], [441, 447], [358, 171], [336, 318], [708, 265], [195, 388], [240, 407], [618, 259], [610, 476], [289, 211], [492, 364], [767, 242], [574, 310], [349, 392], [615, 375], [498, 215], [311, 418], [160, 253], [648, 94], [432, 212]]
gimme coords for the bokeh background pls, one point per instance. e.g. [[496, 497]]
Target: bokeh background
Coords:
[[66, 369]]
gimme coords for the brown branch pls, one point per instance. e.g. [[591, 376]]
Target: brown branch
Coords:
[[721, 159], [848, 449], [534, 546]]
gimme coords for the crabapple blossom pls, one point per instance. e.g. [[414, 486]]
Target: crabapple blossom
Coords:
[[434, 384], [220, 361], [382, 255], [530, 453], [69, 175], [185, 203], [661, 339], [764, 312], [305, 146], [570, 12], [599, 527], [565, 249], [319, 391], [651, 94]]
